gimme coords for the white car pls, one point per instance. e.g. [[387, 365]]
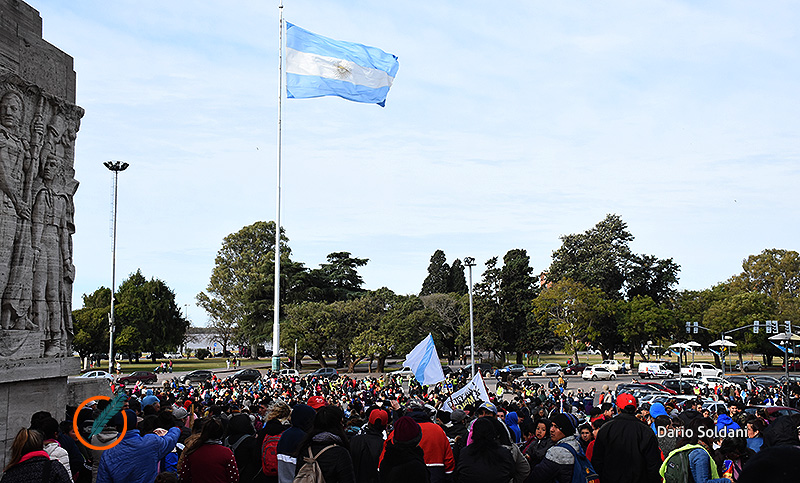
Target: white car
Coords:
[[406, 371], [699, 369], [749, 366], [598, 372], [549, 369], [290, 372], [716, 381], [97, 375], [612, 365]]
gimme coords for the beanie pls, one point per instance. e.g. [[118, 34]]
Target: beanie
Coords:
[[564, 423], [457, 415], [406, 430]]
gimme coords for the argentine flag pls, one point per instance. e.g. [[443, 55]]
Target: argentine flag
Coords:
[[423, 360], [317, 66]]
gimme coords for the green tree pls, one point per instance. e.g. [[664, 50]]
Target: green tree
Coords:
[[644, 320], [487, 315], [569, 310], [516, 293], [738, 310], [338, 279], [91, 324], [148, 315], [457, 282], [595, 258], [452, 312], [242, 278], [775, 273], [438, 275], [651, 277]]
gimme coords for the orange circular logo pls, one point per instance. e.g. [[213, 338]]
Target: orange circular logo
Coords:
[[78, 433]]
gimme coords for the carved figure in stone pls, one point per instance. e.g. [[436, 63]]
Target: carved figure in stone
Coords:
[[14, 163], [50, 239]]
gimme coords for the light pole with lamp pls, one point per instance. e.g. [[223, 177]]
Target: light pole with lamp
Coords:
[[116, 167], [470, 262]]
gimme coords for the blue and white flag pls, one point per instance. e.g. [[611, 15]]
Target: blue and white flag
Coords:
[[317, 66], [424, 362]]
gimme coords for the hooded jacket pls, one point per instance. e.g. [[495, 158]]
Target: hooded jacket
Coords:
[[558, 463], [435, 446], [301, 419], [725, 423], [512, 421], [626, 449]]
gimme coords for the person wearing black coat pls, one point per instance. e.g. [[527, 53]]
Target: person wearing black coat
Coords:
[[404, 461], [485, 460], [241, 439], [302, 418], [328, 430], [366, 447]]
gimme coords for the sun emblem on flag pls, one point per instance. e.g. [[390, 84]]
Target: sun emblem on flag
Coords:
[[343, 71]]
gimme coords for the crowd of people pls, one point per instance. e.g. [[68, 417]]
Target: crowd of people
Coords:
[[382, 430]]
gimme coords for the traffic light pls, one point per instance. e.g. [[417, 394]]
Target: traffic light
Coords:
[[788, 326], [755, 327], [688, 327], [774, 326]]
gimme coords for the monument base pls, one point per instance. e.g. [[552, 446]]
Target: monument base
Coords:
[[28, 386]]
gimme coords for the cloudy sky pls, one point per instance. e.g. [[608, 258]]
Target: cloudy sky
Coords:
[[508, 126]]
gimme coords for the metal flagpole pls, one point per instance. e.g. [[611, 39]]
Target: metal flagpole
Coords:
[[276, 324]]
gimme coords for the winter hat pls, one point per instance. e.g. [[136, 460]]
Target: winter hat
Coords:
[[457, 415], [564, 423], [150, 400], [406, 430], [187, 404], [180, 413], [657, 410]]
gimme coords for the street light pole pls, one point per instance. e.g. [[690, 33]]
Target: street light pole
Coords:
[[115, 167], [470, 262]]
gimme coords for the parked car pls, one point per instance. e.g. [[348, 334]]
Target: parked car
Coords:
[[793, 378], [697, 369], [250, 375], [748, 366], [483, 367], [612, 365], [289, 372], [660, 387], [675, 367], [772, 411], [97, 375], [716, 381], [598, 372], [682, 386], [549, 369], [576, 369], [740, 381], [146, 377], [405, 371], [326, 373], [200, 375], [511, 371], [794, 365], [715, 406], [653, 370], [767, 381]]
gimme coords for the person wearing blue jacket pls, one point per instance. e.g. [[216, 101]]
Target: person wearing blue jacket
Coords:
[[512, 421], [725, 422], [135, 459]]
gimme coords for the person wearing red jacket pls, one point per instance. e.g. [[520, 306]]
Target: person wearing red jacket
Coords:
[[434, 443]]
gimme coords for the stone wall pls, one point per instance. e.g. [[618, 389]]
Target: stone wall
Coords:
[[39, 122]]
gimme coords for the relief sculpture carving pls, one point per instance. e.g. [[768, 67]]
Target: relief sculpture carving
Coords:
[[37, 185]]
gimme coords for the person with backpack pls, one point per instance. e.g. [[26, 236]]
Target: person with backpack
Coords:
[[692, 461], [242, 442], [626, 449], [268, 438], [559, 462], [325, 451], [301, 419]]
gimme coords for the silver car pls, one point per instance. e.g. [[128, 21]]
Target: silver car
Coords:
[[549, 369]]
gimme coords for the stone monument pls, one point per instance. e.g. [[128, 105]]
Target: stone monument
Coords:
[[38, 125]]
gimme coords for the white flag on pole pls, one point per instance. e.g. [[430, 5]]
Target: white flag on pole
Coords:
[[474, 392], [423, 360]]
